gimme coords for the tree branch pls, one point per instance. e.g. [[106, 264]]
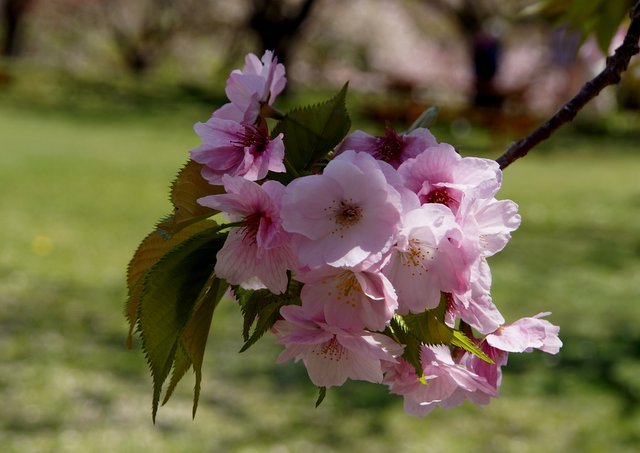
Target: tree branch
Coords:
[[610, 75]]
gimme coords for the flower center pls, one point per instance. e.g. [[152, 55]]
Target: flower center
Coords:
[[332, 350], [254, 138], [348, 214], [451, 303], [440, 195], [418, 256], [389, 147], [252, 224], [348, 288]]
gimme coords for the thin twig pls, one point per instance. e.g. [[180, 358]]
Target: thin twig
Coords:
[[610, 75]]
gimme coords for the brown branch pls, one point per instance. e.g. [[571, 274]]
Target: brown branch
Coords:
[[610, 75]]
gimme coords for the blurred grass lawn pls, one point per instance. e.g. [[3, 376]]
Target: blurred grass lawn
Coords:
[[80, 191]]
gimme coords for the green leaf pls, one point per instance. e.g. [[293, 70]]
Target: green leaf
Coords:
[[172, 289], [401, 333], [415, 329], [181, 365], [428, 328], [441, 310], [462, 341], [194, 337], [264, 307], [545, 8], [149, 252], [267, 317], [249, 306], [611, 15], [322, 392], [581, 11], [599, 17], [311, 132], [426, 119], [188, 186]]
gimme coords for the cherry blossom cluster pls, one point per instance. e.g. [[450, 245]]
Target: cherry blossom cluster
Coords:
[[392, 226]]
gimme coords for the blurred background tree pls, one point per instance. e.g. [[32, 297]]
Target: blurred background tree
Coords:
[[452, 52]]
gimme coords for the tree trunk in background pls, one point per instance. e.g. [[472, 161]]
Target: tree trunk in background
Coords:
[[486, 60], [159, 21], [276, 27], [13, 12], [484, 49]]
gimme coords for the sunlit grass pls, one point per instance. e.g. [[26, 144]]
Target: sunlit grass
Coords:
[[79, 193]]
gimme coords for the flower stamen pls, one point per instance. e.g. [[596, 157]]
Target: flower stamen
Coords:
[[390, 146], [252, 224], [332, 350], [348, 214], [253, 138], [440, 195]]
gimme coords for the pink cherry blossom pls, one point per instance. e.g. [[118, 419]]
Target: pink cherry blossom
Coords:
[[445, 383], [331, 354], [491, 372], [437, 361], [344, 216], [527, 334], [392, 147], [237, 150], [441, 175], [259, 82], [487, 223], [349, 299], [426, 260], [475, 306], [256, 255], [521, 336]]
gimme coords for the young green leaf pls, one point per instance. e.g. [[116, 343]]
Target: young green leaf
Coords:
[[401, 333], [462, 341], [311, 132], [415, 329], [428, 328]]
